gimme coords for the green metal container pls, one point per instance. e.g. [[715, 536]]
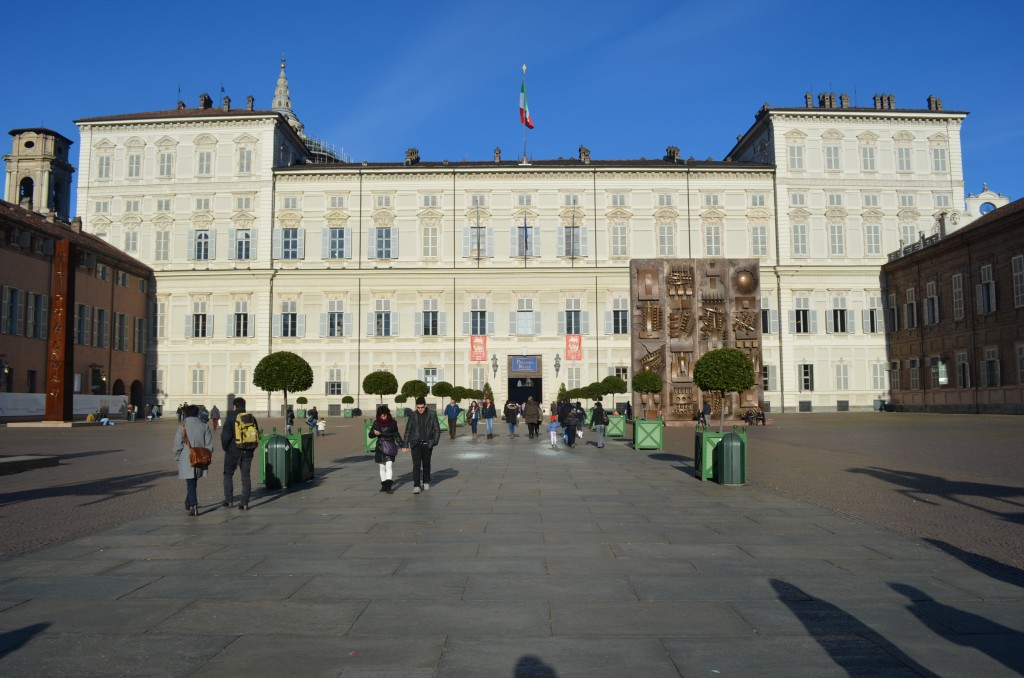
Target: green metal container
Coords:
[[730, 458], [704, 442], [616, 426], [461, 419], [369, 444], [442, 421], [648, 434]]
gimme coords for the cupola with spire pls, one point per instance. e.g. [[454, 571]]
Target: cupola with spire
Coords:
[[283, 101]]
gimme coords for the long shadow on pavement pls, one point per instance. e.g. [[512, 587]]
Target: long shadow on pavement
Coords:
[[105, 488], [964, 628], [12, 640], [984, 564], [852, 644], [919, 486]]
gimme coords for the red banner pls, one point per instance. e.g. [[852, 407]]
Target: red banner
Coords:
[[574, 347], [477, 348]]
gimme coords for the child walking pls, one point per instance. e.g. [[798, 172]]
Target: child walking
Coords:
[[553, 429]]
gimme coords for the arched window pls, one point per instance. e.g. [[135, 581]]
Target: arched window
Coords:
[[202, 245], [26, 189]]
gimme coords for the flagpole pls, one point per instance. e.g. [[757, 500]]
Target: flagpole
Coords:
[[524, 124]]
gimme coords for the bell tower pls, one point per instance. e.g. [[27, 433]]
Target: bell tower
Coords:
[[38, 171]]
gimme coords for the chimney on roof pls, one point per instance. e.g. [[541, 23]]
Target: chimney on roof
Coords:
[[891, 101], [584, 155], [809, 100], [76, 224], [412, 156], [934, 104], [827, 100], [226, 106], [497, 154], [672, 153], [249, 102], [844, 100], [205, 101], [878, 102]]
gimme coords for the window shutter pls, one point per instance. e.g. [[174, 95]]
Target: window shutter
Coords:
[[231, 326], [584, 242], [467, 241], [513, 243], [561, 322], [250, 325], [190, 253], [772, 373], [511, 323], [417, 329], [585, 322], [536, 323], [44, 319], [814, 321], [792, 322], [560, 245], [301, 238], [252, 243], [608, 327], [209, 325], [188, 326], [490, 241], [371, 243], [370, 328], [277, 325], [442, 323], [979, 298], [534, 242], [213, 244], [232, 240], [325, 244], [865, 320], [346, 325], [4, 301], [346, 243], [301, 329], [394, 323], [773, 321], [490, 323], [323, 324], [276, 244], [851, 322], [466, 328], [394, 242], [830, 325]]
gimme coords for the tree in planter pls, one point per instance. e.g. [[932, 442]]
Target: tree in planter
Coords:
[[415, 389], [647, 383], [562, 393], [725, 370], [460, 393], [348, 400], [442, 389], [380, 383], [283, 371], [613, 385], [400, 402]]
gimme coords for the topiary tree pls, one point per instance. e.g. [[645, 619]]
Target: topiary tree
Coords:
[[595, 391], [562, 393], [725, 370], [647, 383], [380, 383], [348, 400], [401, 398], [487, 391], [283, 371], [613, 385], [459, 394], [442, 389], [301, 400], [415, 389]]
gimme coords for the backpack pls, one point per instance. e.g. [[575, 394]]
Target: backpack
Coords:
[[247, 435]]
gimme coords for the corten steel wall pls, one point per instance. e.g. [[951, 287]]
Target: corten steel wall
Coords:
[[683, 308], [994, 240]]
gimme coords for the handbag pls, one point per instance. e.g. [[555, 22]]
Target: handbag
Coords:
[[198, 457], [387, 447]]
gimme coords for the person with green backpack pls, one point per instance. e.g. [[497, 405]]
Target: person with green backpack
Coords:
[[239, 439]]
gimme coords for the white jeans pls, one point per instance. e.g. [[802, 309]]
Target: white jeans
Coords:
[[386, 470]]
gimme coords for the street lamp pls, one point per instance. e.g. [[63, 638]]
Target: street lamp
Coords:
[[494, 364], [558, 364]]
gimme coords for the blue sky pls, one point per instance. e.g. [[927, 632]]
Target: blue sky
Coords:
[[624, 79]]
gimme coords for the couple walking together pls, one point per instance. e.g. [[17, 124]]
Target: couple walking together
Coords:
[[422, 434]]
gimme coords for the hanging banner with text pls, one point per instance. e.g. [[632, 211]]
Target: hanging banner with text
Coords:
[[574, 347], [477, 348]]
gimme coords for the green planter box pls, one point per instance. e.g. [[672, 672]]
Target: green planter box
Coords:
[[461, 419], [369, 444], [285, 464], [713, 462], [648, 434], [616, 426], [301, 413], [347, 413], [442, 421], [704, 442]]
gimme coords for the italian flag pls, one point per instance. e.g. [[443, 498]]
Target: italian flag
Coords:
[[524, 109]]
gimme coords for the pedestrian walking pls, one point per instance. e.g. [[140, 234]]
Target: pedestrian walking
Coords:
[[510, 413], [600, 420], [705, 412], [289, 420], [235, 457], [473, 417], [553, 430], [452, 412], [215, 417], [488, 413], [192, 433], [385, 430], [571, 422], [532, 416], [312, 417], [422, 434]]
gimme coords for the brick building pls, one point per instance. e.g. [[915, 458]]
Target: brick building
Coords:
[[955, 318]]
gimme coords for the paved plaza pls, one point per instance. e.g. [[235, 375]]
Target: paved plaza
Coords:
[[864, 545]]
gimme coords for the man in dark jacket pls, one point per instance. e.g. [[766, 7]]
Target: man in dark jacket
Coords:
[[600, 419], [235, 458], [422, 433]]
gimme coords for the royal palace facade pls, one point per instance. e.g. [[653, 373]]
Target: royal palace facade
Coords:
[[508, 271]]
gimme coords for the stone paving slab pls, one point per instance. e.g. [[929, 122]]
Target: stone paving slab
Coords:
[[520, 561]]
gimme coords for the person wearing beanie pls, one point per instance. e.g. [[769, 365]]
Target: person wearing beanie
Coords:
[[554, 429], [385, 430], [422, 434]]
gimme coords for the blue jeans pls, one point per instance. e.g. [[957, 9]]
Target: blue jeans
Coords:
[[600, 435], [511, 429], [490, 425], [190, 491]]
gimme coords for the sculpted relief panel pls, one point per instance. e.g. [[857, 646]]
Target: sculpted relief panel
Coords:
[[683, 308]]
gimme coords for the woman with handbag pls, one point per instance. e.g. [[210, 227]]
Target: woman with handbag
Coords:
[[192, 437], [389, 441]]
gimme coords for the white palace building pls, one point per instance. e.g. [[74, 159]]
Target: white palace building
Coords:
[[262, 240]]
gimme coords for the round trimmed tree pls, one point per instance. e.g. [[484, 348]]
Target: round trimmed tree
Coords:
[[725, 370], [380, 383], [647, 383], [283, 371], [415, 388]]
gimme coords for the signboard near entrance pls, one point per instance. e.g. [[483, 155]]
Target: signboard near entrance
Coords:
[[522, 364]]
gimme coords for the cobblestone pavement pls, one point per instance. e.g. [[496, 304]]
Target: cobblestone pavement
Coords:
[[956, 482]]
